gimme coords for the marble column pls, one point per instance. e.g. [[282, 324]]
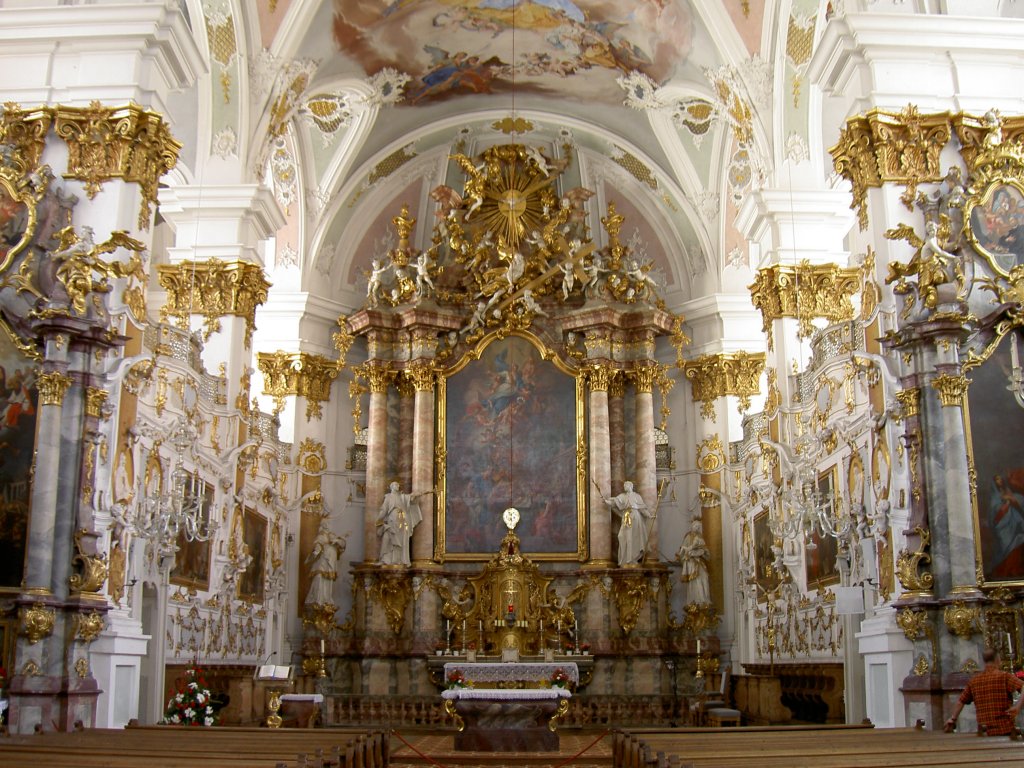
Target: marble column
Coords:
[[646, 480], [422, 375], [955, 485], [406, 426], [600, 467], [617, 429], [39, 570], [376, 456]]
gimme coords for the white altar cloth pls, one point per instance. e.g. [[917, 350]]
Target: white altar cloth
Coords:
[[490, 674], [507, 694]]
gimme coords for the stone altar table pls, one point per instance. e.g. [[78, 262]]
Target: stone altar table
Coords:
[[510, 708]]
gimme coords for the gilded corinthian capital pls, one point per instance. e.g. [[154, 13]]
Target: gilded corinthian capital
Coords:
[[600, 377], [298, 373], [214, 289], [52, 387], [724, 373]]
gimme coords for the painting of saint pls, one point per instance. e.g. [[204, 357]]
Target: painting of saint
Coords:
[[254, 534], [192, 560], [456, 47], [18, 403], [821, 550], [511, 441], [764, 555], [999, 514], [997, 226]]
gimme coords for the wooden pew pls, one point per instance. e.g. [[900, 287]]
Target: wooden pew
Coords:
[[176, 747], [821, 747]]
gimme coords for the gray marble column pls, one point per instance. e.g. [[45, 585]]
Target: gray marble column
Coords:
[[39, 570]]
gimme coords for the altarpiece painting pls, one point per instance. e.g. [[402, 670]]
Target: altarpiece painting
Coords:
[[18, 402], [192, 560], [821, 549], [992, 412], [512, 424]]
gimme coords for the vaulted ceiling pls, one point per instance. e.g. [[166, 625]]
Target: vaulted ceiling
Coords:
[[350, 109]]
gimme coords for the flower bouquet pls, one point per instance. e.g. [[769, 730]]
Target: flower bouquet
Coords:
[[585, 648], [559, 678], [192, 704], [457, 679]]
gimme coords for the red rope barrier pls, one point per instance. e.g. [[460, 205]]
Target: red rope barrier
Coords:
[[420, 754], [582, 751]]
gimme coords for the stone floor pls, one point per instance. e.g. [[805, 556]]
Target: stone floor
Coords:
[[578, 749]]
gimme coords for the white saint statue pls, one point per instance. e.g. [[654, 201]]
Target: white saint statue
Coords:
[[693, 556], [399, 515], [634, 528]]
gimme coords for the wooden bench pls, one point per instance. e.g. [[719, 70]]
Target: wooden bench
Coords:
[[821, 747], [179, 747], [813, 691]]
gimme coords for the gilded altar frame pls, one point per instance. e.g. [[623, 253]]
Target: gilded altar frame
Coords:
[[570, 453], [994, 213]]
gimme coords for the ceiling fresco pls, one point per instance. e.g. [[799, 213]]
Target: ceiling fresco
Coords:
[[458, 47]]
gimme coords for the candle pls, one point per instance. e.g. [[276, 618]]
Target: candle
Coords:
[[447, 627], [1014, 360], [542, 628], [1009, 647], [321, 646], [575, 629], [463, 629], [698, 646]]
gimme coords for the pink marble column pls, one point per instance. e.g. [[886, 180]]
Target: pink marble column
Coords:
[[600, 467], [406, 421], [422, 376], [646, 480], [376, 457], [617, 428]]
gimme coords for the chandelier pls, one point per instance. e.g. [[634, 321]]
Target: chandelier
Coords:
[[163, 517]]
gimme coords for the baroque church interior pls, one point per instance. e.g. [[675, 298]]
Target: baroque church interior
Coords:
[[675, 339]]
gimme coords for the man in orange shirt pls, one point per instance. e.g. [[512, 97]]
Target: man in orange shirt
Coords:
[[991, 691]]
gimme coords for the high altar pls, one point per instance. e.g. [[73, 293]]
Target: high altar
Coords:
[[514, 367]]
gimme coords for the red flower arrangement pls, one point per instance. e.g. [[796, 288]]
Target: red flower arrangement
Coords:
[[192, 704], [457, 679], [559, 678]]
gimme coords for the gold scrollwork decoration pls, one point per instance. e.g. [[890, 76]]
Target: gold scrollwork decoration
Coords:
[[126, 142], [909, 563], [393, 591], [805, 292], [312, 456], [298, 373], [37, 622], [914, 623], [88, 626], [214, 289], [95, 399], [630, 592], [710, 454], [94, 568], [82, 668], [961, 618], [901, 147], [724, 373]]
